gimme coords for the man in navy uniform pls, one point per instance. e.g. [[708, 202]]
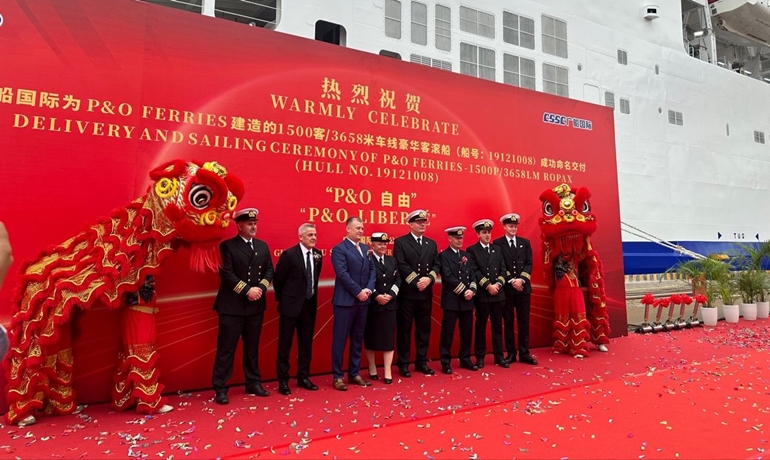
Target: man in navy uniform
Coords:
[[353, 285], [490, 298], [418, 268], [458, 286], [245, 274], [517, 253], [296, 291]]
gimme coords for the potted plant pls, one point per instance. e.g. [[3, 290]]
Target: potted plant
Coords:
[[703, 274], [751, 278], [709, 312], [749, 283], [763, 307], [754, 256], [725, 286]]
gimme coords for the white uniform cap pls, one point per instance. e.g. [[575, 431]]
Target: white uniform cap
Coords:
[[483, 224], [455, 231], [246, 214], [511, 218], [417, 214]]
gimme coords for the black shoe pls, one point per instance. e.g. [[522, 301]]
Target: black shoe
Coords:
[[221, 397], [502, 363], [424, 369], [404, 372], [373, 376], [528, 359], [387, 381], [283, 388], [480, 363], [257, 390], [307, 384], [446, 369], [510, 359], [469, 366]]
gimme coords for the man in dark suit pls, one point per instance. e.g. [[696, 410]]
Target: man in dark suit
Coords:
[[458, 286], [353, 285], [296, 291], [490, 297], [245, 275], [517, 253], [418, 267]]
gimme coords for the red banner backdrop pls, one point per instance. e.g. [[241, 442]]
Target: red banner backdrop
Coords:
[[92, 96]]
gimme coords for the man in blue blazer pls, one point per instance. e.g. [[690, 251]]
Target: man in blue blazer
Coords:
[[353, 284]]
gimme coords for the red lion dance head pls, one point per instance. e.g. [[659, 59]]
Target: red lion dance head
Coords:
[[566, 228], [190, 204]]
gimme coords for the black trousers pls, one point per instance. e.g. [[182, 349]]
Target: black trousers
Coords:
[[492, 311], [304, 324], [417, 313], [517, 304], [448, 322], [231, 329]]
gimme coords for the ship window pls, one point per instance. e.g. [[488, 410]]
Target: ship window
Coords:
[[759, 137], [518, 30], [556, 80], [257, 13], [393, 18], [186, 5], [430, 62], [554, 36], [675, 118], [622, 57], [477, 61], [443, 28], [657, 69], [330, 32], [625, 106], [727, 128], [609, 99], [419, 23], [477, 22], [390, 54], [518, 71]]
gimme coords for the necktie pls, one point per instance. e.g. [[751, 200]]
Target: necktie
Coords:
[[513, 245], [487, 248], [309, 276], [419, 241], [251, 245], [382, 261]]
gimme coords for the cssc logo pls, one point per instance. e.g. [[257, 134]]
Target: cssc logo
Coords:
[[563, 120], [1, 20]]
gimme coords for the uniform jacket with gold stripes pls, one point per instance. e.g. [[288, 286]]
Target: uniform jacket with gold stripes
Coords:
[[414, 262], [490, 269], [518, 261], [241, 270], [458, 274], [386, 281]]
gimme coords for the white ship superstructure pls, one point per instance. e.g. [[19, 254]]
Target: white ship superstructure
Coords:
[[688, 81]]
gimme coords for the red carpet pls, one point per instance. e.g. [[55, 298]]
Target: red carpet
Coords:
[[692, 394]]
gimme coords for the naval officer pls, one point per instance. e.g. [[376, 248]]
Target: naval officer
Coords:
[[517, 253], [417, 265], [458, 286], [245, 274], [490, 297]]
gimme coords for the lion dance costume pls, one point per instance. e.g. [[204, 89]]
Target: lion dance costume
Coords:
[[566, 228], [189, 204]]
